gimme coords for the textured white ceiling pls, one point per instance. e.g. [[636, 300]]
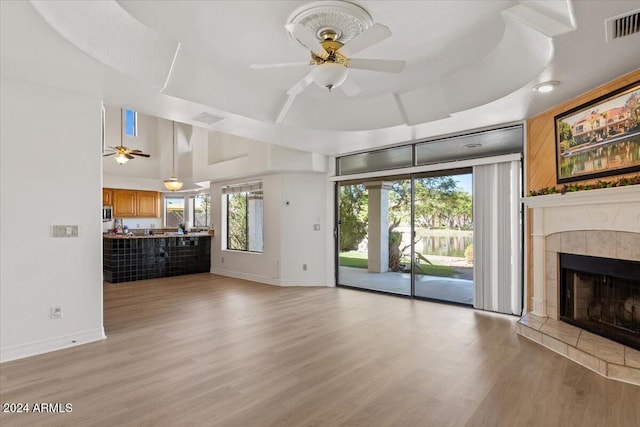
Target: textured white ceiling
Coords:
[[470, 64]]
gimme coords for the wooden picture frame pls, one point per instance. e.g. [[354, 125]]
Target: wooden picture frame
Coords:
[[599, 138]]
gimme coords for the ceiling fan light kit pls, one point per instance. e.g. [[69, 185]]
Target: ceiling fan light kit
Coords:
[[329, 75], [121, 158]]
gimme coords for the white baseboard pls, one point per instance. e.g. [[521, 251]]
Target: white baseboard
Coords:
[[304, 283], [246, 276], [267, 280], [34, 348]]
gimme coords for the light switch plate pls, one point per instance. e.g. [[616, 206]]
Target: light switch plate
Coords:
[[316, 227], [64, 231]]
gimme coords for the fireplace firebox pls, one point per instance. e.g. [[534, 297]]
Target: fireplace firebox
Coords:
[[601, 295]]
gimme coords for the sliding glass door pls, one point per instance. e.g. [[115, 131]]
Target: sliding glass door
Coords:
[[374, 239], [443, 229], [408, 235], [451, 234]]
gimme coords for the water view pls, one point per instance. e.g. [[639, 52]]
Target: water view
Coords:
[[449, 243]]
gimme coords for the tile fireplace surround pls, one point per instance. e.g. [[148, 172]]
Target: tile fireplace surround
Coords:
[[603, 223]]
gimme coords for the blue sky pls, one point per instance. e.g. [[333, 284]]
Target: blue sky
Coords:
[[465, 182]]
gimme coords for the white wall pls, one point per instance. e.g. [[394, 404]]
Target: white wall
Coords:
[[306, 194], [51, 174], [218, 157], [260, 267], [289, 238]]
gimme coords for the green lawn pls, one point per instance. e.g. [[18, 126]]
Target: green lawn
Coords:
[[359, 260]]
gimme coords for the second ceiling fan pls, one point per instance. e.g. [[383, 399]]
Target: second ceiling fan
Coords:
[[124, 154]]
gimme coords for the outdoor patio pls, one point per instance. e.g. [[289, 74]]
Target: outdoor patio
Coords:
[[433, 287]]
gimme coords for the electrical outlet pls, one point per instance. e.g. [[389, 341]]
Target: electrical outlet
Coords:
[[304, 267], [56, 312], [316, 227]]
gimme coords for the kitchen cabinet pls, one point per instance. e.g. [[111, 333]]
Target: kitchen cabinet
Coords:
[[107, 197], [124, 203], [148, 204], [134, 203]]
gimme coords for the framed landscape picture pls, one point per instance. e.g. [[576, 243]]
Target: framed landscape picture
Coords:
[[599, 138]]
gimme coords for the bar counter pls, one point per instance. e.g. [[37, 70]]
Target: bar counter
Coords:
[[128, 257]]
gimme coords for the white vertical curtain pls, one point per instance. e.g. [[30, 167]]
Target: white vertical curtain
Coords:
[[497, 238]]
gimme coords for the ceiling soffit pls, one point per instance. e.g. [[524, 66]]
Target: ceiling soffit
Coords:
[[110, 34]]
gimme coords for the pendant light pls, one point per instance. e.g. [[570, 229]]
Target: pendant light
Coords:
[[172, 183]]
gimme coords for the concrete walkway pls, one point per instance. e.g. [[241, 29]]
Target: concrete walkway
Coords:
[[440, 288]]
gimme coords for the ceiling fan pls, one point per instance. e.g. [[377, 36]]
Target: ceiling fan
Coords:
[[331, 59], [124, 154]]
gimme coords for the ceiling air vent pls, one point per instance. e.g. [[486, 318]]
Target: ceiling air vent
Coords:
[[622, 26], [207, 118]]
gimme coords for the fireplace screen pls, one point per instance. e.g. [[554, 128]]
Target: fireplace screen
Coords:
[[601, 295]]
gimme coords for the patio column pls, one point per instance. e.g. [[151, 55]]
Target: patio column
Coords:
[[378, 230]]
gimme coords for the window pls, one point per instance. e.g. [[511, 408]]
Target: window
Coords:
[[131, 123], [244, 213], [199, 210], [173, 211]]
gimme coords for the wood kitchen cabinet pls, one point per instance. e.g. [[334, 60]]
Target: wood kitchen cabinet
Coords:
[[107, 197], [124, 203], [148, 204], [134, 203]]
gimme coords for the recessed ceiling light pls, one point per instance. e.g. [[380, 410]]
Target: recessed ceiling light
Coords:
[[546, 86], [474, 145]]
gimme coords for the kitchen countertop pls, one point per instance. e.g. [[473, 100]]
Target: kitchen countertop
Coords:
[[157, 235]]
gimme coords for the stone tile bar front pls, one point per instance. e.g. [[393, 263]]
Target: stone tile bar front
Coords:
[[126, 259]]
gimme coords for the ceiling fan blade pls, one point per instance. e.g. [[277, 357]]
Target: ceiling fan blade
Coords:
[[385, 65], [285, 108], [296, 90], [299, 87], [139, 154], [374, 34], [280, 65], [128, 156], [108, 154], [350, 88], [306, 37]]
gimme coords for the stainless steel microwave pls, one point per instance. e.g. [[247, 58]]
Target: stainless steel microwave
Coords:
[[107, 213]]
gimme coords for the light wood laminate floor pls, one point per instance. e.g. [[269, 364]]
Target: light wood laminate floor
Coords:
[[205, 350]]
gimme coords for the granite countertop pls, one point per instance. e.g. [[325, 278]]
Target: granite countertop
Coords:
[[157, 235]]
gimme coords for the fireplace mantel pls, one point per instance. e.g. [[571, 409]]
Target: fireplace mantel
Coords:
[[604, 223], [605, 209], [612, 209], [585, 197]]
